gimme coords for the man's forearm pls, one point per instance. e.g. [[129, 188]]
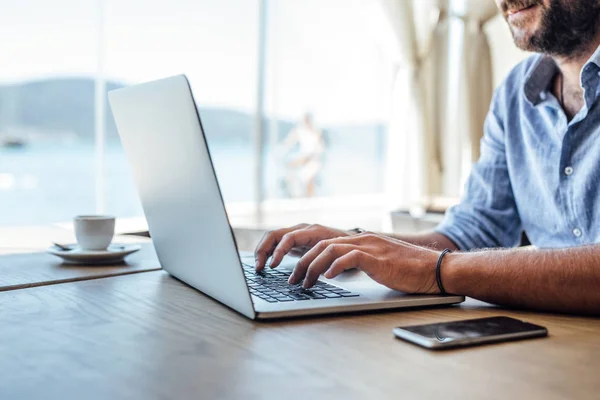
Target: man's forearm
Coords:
[[432, 240], [565, 280]]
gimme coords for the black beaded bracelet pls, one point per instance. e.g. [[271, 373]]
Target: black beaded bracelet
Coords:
[[438, 271]]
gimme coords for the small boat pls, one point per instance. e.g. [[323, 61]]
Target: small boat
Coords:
[[12, 143]]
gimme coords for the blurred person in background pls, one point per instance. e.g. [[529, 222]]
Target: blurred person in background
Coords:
[[303, 151], [539, 173]]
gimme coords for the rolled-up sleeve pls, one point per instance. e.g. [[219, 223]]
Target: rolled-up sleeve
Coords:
[[487, 215]]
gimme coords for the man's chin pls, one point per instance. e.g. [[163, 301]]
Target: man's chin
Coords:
[[522, 39]]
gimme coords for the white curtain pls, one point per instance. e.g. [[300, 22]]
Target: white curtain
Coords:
[[413, 168], [440, 98], [478, 82], [468, 101], [435, 83]]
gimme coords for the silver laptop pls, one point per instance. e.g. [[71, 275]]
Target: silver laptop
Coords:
[[162, 134]]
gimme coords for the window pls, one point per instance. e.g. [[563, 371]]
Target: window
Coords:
[[214, 44], [46, 110], [58, 53], [323, 57], [328, 79]]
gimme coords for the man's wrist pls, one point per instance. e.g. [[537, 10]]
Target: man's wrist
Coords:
[[451, 269]]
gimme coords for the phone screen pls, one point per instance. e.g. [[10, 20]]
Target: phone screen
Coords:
[[472, 331]]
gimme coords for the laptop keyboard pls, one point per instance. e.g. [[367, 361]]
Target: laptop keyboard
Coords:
[[272, 285]]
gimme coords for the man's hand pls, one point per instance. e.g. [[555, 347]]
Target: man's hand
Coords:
[[396, 264], [297, 239]]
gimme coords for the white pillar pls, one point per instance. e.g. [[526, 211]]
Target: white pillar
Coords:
[[99, 115], [259, 159], [452, 143]]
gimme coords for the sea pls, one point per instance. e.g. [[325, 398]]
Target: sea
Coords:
[[44, 183]]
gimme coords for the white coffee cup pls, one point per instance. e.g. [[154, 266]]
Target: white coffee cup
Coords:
[[94, 232]]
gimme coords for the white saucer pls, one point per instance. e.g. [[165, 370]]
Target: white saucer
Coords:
[[114, 254]]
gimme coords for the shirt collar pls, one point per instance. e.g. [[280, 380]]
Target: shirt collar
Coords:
[[595, 58], [538, 79]]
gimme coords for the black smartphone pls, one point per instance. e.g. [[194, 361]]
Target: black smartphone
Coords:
[[469, 332]]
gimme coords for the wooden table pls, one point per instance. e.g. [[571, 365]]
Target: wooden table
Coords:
[[18, 271], [24, 262], [148, 336]]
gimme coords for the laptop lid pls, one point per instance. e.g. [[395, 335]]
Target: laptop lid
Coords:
[[162, 134]]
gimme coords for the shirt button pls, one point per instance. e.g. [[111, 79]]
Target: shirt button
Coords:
[[577, 232], [569, 171]]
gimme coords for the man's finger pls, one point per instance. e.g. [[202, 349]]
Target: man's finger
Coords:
[[353, 259], [268, 243], [324, 261], [302, 264], [264, 248], [309, 257], [297, 238]]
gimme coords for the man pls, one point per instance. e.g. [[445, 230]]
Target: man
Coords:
[[539, 172]]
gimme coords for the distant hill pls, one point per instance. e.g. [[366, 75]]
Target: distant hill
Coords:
[[65, 106], [52, 106]]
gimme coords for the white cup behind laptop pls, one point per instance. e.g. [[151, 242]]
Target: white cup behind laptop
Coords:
[[94, 232]]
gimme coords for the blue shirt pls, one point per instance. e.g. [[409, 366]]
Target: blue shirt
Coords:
[[537, 172]]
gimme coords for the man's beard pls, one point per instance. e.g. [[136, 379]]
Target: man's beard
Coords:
[[566, 30]]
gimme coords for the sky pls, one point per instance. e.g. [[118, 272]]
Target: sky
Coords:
[[331, 57]]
